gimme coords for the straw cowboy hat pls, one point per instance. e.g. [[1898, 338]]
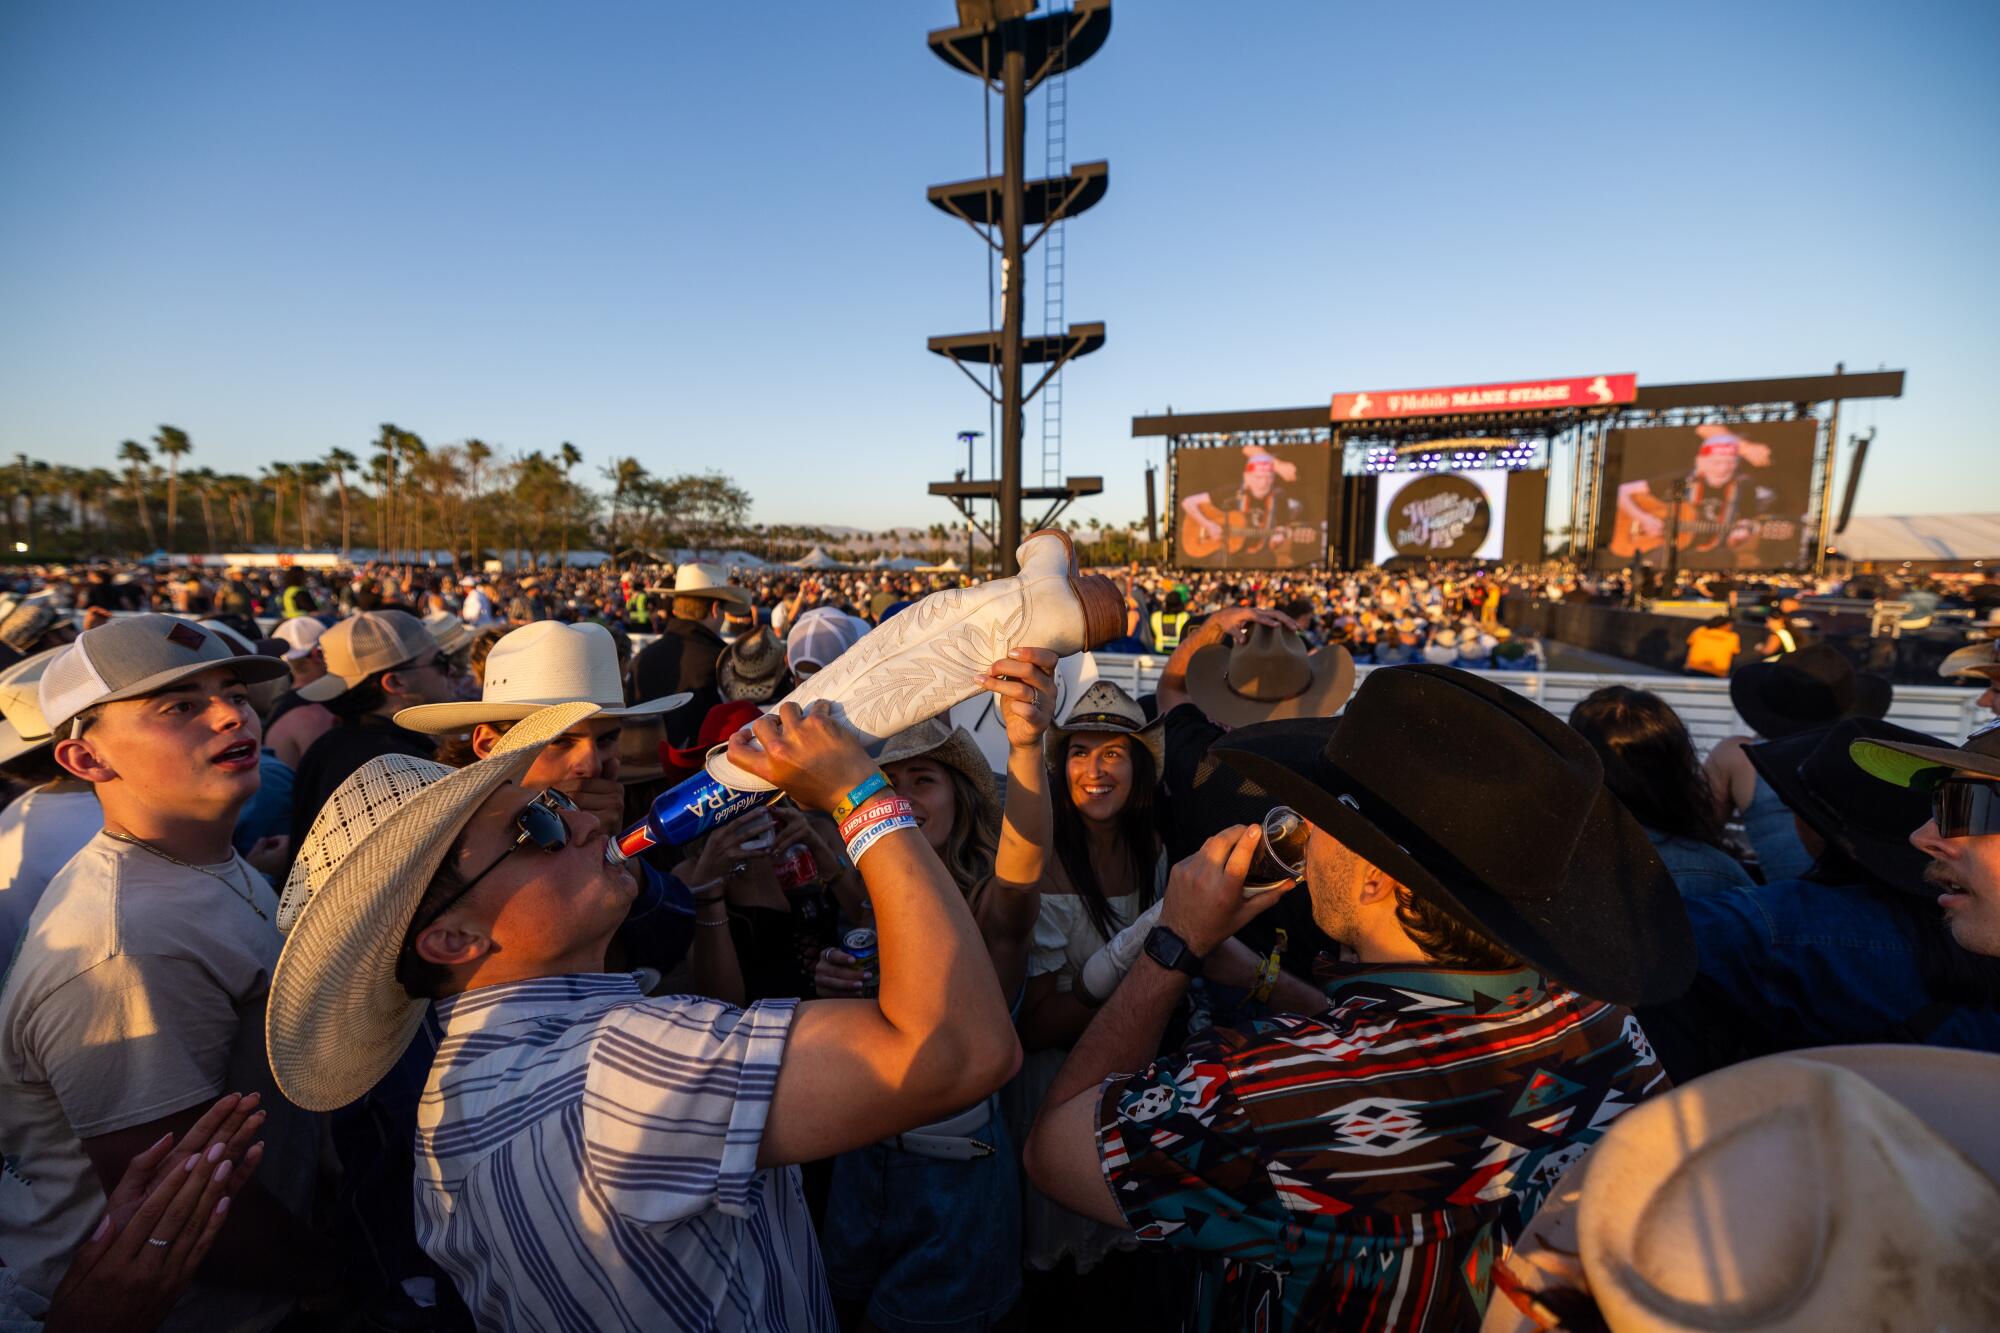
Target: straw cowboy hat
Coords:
[[938, 740], [712, 581], [1843, 1187], [752, 668], [1105, 707], [1269, 675], [533, 667], [23, 730], [1975, 659], [450, 631], [337, 1019]]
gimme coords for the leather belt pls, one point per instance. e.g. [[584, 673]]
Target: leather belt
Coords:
[[950, 1139]]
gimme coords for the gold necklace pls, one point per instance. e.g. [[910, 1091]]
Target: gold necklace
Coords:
[[165, 855]]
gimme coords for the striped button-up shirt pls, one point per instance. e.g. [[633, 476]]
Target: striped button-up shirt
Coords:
[[587, 1159]]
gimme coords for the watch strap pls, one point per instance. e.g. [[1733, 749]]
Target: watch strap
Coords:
[[1170, 951]]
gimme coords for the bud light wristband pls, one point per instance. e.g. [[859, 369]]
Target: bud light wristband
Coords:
[[873, 834], [873, 813], [874, 782]]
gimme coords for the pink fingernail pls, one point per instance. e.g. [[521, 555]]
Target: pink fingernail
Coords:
[[222, 1172], [215, 1152], [221, 1206], [103, 1225], [194, 1160]]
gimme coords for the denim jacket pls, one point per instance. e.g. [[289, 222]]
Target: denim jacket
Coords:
[[1698, 867]]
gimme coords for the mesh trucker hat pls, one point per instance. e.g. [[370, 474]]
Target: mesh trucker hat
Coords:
[[301, 634], [133, 656], [362, 645]]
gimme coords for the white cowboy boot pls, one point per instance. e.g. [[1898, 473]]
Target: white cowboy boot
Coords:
[[929, 657]]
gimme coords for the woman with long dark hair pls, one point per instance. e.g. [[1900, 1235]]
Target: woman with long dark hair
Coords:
[[1104, 762], [1650, 765]]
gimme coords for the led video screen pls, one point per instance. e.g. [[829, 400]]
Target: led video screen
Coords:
[[1441, 515], [1726, 497], [1254, 507]]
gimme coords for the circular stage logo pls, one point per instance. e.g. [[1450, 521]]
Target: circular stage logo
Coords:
[[1441, 516]]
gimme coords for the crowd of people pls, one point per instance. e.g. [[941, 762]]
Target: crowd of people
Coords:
[[1281, 996]]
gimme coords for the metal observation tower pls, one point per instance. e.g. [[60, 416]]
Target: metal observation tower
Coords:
[[1014, 55]]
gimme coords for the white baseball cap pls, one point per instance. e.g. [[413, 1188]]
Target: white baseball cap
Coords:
[[302, 633]]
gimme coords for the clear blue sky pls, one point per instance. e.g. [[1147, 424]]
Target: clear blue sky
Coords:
[[697, 234]]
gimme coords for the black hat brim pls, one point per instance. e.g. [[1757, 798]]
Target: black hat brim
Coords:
[[1894, 861], [1758, 693], [1614, 929]]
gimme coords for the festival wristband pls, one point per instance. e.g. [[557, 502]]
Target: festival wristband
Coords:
[[874, 782], [874, 813], [875, 833]]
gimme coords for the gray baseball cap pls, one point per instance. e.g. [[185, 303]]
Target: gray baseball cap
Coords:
[[134, 656], [362, 645]]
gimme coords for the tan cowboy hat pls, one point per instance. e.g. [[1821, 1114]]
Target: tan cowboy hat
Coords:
[[1269, 676], [946, 744], [1105, 707], [337, 1019], [752, 668], [534, 667], [1975, 659], [696, 580], [639, 743], [1844, 1187], [20, 704]]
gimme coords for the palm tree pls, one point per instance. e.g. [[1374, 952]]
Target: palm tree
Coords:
[[476, 454], [625, 476], [339, 462], [410, 448], [311, 479], [570, 457], [278, 479], [172, 442], [133, 454], [203, 480]]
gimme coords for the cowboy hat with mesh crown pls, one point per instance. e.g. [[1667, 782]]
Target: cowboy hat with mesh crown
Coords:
[[337, 1019], [21, 706], [135, 656]]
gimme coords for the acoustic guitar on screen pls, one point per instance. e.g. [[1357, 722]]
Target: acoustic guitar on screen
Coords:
[[1238, 533], [1743, 536]]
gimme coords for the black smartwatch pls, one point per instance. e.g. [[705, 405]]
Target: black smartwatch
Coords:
[[1171, 952]]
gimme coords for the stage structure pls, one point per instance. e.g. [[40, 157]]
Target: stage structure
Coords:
[[1745, 467], [1013, 54]]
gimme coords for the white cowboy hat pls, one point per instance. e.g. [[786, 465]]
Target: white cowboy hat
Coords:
[[337, 1019], [1841, 1187], [712, 581], [23, 730], [533, 667]]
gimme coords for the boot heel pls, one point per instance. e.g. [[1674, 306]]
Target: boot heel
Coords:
[[1103, 609]]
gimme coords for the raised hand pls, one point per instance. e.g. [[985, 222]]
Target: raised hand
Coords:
[[1024, 683], [812, 756]]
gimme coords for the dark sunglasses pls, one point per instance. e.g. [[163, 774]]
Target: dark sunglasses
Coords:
[[539, 824], [1966, 807]]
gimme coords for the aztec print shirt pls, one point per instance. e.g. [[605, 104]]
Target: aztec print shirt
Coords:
[[1360, 1168], [587, 1160]]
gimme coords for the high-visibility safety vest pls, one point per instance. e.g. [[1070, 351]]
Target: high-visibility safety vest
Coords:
[[1167, 629]]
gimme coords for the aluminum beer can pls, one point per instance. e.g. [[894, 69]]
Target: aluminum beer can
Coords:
[[859, 944]]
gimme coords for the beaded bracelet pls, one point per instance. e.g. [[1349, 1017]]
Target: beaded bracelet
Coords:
[[874, 833], [868, 786], [875, 812]]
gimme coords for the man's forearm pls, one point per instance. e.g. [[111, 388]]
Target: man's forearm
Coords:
[[1126, 1033], [1172, 688]]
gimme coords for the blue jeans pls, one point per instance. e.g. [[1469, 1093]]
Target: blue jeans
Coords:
[[932, 1246]]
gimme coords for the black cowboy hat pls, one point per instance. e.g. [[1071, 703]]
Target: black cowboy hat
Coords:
[[1799, 691], [1488, 806], [1819, 781]]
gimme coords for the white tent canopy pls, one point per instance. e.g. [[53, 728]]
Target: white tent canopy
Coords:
[[817, 558], [1953, 537]]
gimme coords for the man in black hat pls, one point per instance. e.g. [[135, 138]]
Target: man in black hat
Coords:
[[1359, 1167], [1962, 836], [1853, 951]]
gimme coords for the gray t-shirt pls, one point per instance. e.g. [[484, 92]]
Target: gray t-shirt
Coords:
[[39, 833], [138, 991]]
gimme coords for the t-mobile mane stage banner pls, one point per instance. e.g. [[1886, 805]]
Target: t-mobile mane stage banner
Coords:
[[1441, 515], [1255, 507], [1518, 396], [1728, 497]]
